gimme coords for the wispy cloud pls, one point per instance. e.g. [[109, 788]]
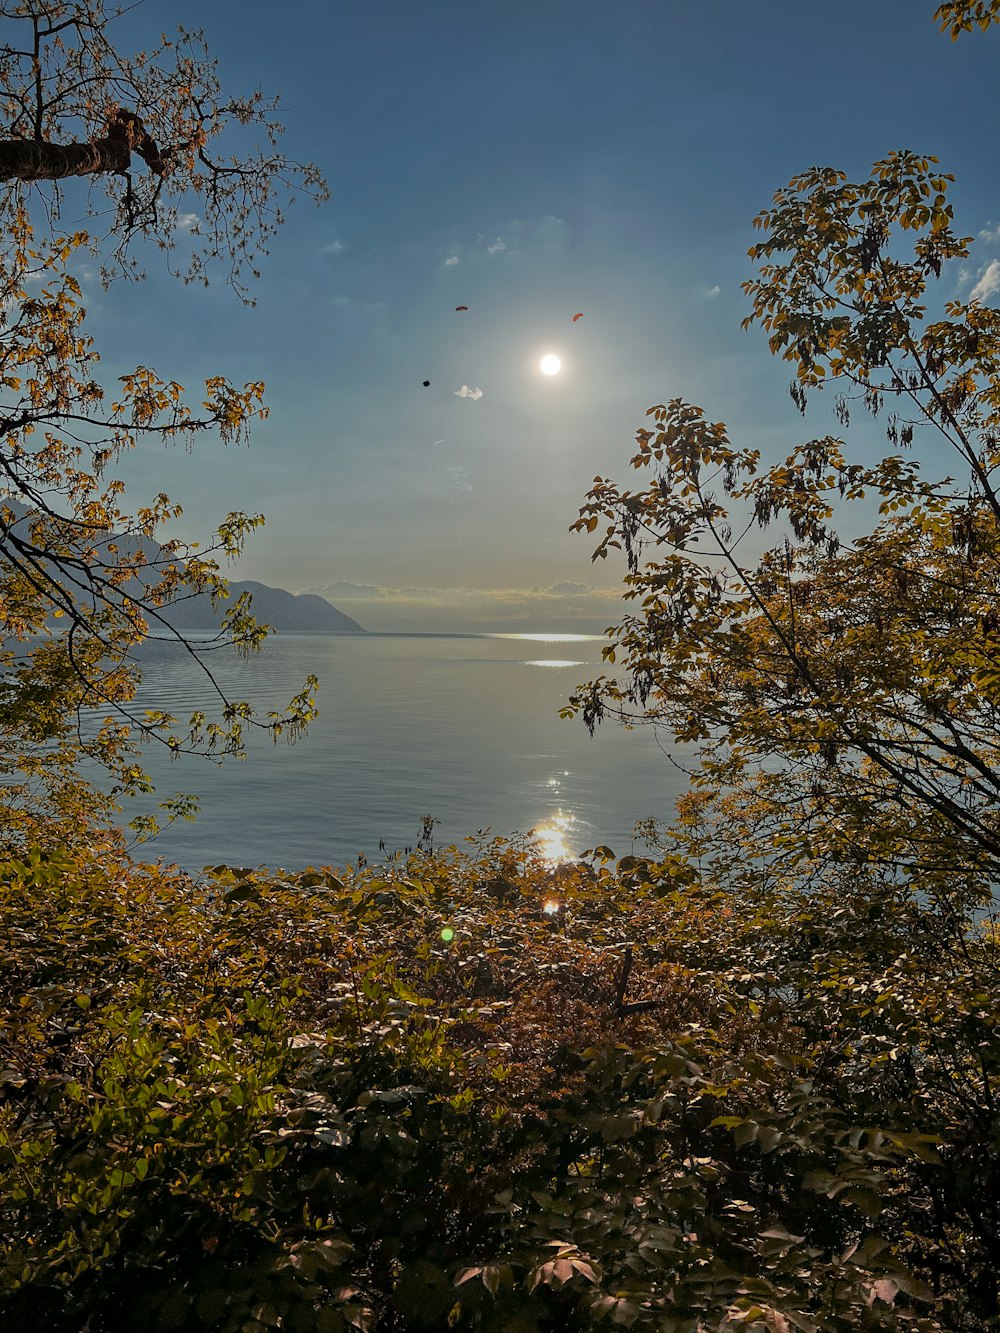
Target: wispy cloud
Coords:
[[466, 392], [451, 261], [334, 248], [989, 282], [187, 221], [713, 292], [345, 588], [990, 232], [521, 236], [568, 589]]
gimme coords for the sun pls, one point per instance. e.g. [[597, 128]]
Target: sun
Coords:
[[550, 365]]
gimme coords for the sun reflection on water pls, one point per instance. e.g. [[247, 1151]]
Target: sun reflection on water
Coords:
[[551, 838], [549, 638]]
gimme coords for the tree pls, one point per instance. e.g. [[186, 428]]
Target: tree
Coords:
[[851, 683], [82, 581], [74, 104], [842, 693]]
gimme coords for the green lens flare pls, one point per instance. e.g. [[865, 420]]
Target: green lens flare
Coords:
[[447, 933]]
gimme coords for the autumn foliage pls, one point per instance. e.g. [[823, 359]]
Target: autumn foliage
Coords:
[[84, 582], [748, 1080], [258, 1101]]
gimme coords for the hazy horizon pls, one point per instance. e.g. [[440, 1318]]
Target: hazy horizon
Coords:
[[557, 609]]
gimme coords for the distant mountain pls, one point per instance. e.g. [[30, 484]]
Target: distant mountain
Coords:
[[271, 606]]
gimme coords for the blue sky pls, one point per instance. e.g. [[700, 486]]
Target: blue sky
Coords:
[[529, 160]]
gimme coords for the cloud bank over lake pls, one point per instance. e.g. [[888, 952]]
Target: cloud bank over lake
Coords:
[[565, 605]]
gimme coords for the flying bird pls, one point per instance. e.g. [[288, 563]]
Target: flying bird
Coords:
[[427, 384], [578, 316], [460, 307]]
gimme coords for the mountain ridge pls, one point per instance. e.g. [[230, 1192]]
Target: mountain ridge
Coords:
[[277, 607]]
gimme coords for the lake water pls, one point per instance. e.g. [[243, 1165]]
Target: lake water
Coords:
[[463, 728]]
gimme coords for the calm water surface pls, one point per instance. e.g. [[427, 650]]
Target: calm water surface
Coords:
[[465, 729]]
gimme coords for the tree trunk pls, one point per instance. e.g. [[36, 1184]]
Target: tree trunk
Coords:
[[30, 160], [35, 160]]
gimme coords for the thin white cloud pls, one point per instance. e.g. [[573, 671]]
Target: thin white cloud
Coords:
[[466, 392], [568, 589], [990, 232], [713, 292], [451, 261], [345, 588], [989, 282], [187, 221], [334, 248], [518, 235]]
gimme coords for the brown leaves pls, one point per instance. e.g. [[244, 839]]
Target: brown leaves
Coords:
[[85, 107]]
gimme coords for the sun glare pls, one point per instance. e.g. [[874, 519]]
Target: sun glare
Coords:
[[550, 365], [551, 838]]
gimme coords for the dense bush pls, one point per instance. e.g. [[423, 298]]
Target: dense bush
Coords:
[[477, 1091]]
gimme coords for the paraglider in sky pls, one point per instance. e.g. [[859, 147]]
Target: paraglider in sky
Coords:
[[427, 384], [460, 307], [578, 316]]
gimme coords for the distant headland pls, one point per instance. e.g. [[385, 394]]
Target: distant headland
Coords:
[[273, 606]]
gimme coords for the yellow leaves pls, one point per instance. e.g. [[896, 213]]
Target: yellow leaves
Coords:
[[146, 398], [960, 16], [986, 679], [233, 409]]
